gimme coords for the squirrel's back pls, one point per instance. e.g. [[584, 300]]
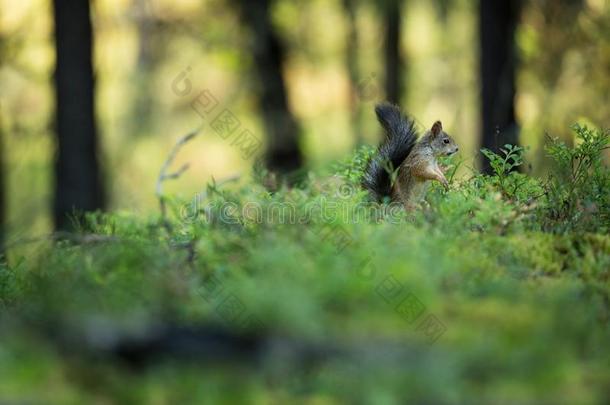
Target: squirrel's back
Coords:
[[401, 137]]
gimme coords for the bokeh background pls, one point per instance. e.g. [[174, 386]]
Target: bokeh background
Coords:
[[334, 69]]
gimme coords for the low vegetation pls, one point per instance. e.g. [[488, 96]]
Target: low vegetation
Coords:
[[496, 291]]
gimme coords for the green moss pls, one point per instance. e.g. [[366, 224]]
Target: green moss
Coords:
[[524, 307]]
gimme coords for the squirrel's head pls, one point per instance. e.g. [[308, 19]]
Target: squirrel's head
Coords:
[[442, 144]]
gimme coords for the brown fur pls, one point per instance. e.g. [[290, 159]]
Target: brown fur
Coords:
[[421, 166]]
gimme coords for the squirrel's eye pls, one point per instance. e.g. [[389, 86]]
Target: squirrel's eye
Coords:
[[446, 140]]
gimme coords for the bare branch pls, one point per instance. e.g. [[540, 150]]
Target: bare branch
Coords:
[[177, 173], [164, 175]]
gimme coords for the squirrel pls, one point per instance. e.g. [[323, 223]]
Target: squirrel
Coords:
[[405, 164]]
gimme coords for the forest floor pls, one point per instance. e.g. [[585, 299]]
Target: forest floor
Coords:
[[496, 291]]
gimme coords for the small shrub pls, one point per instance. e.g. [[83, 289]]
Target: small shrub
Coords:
[[352, 168], [578, 190], [508, 180]]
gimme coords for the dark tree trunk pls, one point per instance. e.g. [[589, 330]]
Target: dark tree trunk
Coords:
[[393, 58], [283, 153], [351, 63], [78, 186], [497, 24]]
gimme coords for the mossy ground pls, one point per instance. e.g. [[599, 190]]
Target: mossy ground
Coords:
[[475, 298]]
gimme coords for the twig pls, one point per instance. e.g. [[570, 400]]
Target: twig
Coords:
[[217, 184], [164, 175]]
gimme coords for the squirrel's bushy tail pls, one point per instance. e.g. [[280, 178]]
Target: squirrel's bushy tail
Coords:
[[401, 136]]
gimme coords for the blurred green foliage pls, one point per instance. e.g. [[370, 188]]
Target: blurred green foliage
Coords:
[[578, 191], [523, 305]]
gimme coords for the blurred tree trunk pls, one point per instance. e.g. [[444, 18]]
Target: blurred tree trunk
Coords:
[[497, 24], [351, 63], [393, 58], [2, 189], [149, 54], [78, 186], [283, 153]]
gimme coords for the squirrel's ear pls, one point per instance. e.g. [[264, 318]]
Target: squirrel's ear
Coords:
[[437, 128]]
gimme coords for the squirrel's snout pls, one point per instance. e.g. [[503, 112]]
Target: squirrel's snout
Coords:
[[451, 152]]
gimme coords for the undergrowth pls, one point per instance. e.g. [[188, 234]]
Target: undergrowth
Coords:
[[496, 291]]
